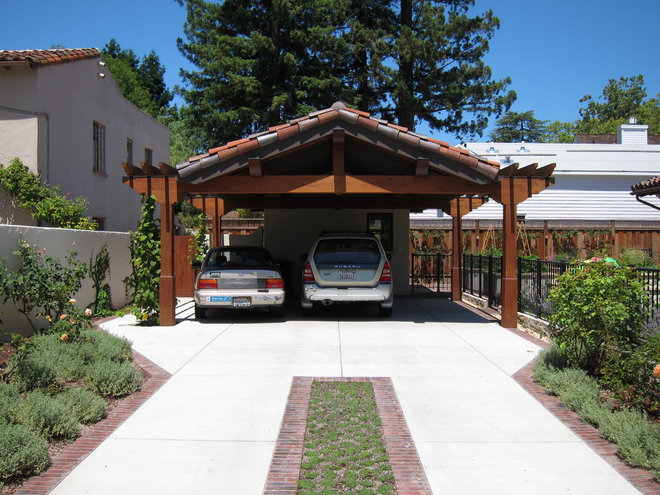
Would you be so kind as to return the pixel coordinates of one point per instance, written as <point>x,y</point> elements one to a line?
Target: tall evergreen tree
<point>517,127</point>
<point>441,78</point>
<point>261,62</point>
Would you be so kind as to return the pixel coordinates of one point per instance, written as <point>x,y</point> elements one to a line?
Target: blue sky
<point>555,51</point>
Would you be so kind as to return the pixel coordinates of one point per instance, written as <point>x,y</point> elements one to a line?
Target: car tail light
<point>274,283</point>
<point>207,283</point>
<point>308,275</point>
<point>386,274</point>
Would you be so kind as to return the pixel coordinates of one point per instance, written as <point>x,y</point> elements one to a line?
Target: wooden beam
<point>255,168</point>
<point>160,186</point>
<point>422,167</point>
<point>166,169</point>
<point>354,184</point>
<point>149,169</point>
<point>338,160</point>
<point>167,293</point>
<point>131,170</point>
<point>456,211</point>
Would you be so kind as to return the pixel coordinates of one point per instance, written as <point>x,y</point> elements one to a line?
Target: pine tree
<point>519,126</point>
<point>441,78</point>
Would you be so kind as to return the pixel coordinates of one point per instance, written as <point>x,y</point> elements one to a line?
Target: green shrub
<point>103,346</point>
<point>86,406</point>
<point>22,452</point>
<point>10,398</point>
<point>48,417</point>
<point>112,379</point>
<point>635,257</point>
<point>597,309</point>
<point>629,375</point>
<point>35,370</point>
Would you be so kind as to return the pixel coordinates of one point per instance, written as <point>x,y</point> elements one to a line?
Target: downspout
<point>647,203</point>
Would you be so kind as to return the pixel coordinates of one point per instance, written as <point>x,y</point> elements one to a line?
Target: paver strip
<point>284,471</point>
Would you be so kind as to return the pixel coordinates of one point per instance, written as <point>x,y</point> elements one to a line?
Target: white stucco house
<point>592,178</point>
<point>63,115</point>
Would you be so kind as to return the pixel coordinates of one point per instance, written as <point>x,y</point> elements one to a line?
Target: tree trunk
<point>404,110</point>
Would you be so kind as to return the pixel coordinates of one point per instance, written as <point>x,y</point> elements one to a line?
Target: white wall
<point>66,99</point>
<point>57,243</point>
<point>290,233</point>
<point>12,214</point>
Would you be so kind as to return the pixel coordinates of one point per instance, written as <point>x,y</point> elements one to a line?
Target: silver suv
<point>347,268</point>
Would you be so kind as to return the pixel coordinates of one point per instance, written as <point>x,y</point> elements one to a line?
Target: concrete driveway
<point>212,427</point>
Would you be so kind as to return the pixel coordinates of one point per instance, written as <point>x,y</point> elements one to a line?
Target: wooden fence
<point>545,239</point>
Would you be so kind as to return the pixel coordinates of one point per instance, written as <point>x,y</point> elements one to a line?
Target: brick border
<point>73,454</point>
<point>640,478</point>
<point>284,470</point>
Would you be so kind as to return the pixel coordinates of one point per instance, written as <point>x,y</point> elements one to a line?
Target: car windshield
<point>238,258</point>
<point>347,251</point>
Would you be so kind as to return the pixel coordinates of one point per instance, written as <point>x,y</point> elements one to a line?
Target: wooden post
<point>218,211</point>
<point>457,250</point>
<point>509,258</point>
<point>167,297</point>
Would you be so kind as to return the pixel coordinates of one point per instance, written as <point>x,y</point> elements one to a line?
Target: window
<point>148,156</point>
<point>98,137</point>
<point>129,151</point>
<point>381,226</point>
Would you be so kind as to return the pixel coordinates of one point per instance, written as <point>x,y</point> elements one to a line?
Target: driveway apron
<point>212,427</point>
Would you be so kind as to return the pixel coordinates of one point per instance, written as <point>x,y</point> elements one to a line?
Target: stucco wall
<point>66,99</point>
<point>290,233</point>
<point>57,243</point>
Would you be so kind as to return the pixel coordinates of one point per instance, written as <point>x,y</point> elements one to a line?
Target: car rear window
<point>231,258</point>
<point>347,251</point>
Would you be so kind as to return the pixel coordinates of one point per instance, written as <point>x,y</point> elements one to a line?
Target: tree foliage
<point>620,100</point>
<point>519,126</point>
<point>262,62</point>
<point>140,81</point>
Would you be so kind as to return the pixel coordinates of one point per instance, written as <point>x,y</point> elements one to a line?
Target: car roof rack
<point>347,232</point>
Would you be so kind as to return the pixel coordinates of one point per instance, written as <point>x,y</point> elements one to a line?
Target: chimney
<point>632,132</point>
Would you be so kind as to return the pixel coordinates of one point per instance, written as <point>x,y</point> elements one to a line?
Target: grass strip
<point>344,449</point>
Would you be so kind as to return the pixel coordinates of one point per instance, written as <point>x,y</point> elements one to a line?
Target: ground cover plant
<point>344,450</point>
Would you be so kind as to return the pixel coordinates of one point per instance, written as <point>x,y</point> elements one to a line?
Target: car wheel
<point>200,313</point>
<point>385,312</point>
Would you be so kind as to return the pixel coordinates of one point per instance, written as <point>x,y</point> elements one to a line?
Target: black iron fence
<point>482,277</point>
<point>431,273</point>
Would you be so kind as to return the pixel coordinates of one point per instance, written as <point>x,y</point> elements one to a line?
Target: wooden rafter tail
<point>149,169</point>
<point>508,171</point>
<point>528,170</point>
<point>166,169</point>
<point>131,170</point>
<point>546,171</point>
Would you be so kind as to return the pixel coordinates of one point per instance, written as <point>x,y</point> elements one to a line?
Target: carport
<point>341,158</point>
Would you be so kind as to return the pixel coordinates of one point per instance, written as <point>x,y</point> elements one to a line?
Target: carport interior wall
<point>340,158</point>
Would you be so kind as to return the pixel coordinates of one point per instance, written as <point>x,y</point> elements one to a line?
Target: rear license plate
<point>219,298</point>
<point>242,302</point>
<point>347,275</point>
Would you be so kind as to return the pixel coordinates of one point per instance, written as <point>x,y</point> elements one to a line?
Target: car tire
<point>385,311</point>
<point>200,313</point>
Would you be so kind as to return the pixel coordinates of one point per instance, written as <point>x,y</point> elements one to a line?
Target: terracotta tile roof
<point>647,187</point>
<point>39,58</point>
<point>339,111</point>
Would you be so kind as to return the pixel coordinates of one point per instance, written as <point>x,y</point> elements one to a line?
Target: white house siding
<point>66,99</point>
<point>290,233</point>
<point>592,181</point>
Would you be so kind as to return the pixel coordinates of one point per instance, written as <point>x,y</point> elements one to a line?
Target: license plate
<point>347,275</point>
<point>219,299</point>
<point>242,302</point>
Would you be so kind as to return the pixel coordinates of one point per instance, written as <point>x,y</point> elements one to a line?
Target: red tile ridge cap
<point>359,112</point>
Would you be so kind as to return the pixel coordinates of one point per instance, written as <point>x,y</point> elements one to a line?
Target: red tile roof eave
<point>40,58</point>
